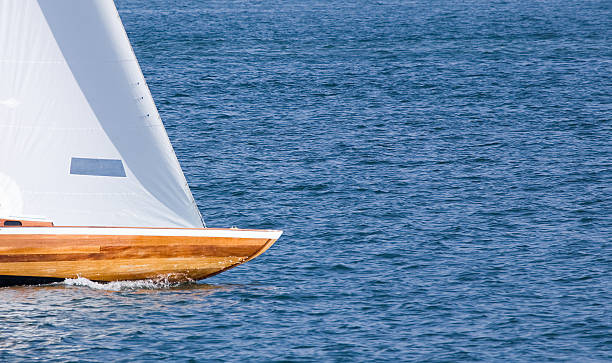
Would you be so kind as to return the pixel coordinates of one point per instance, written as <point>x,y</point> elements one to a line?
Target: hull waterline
<point>31,255</point>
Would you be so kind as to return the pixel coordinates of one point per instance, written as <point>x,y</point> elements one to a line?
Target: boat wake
<point>151,284</point>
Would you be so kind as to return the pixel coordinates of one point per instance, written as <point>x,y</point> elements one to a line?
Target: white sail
<point>81,141</point>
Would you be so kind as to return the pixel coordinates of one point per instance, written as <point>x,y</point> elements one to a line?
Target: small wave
<point>152,284</point>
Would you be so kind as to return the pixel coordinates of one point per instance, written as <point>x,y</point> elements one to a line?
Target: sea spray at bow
<point>122,285</point>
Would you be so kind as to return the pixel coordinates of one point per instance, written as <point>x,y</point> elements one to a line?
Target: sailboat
<point>90,185</point>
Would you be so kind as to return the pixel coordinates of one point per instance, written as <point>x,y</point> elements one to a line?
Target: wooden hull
<point>109,254</point>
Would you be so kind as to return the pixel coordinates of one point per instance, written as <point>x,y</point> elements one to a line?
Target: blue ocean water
<point>442,171</point>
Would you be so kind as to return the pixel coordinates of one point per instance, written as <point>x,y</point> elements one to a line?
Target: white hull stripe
<point>161,232</point>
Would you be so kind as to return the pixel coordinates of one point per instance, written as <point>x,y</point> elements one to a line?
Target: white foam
<point>161,283</point>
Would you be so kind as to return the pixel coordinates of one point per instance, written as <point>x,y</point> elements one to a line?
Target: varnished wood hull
<point>110,254</point>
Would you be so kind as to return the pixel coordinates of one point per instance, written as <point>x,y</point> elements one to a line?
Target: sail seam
<point>87,194</point>
<point>73,128</point>
<point>64,62</point>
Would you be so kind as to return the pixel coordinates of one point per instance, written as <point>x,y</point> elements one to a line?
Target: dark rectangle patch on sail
<point>97,167</point>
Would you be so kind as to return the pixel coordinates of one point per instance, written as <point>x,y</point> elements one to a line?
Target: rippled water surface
<point>442,171</point>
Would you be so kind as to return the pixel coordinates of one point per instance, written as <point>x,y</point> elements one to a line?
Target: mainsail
<point>81,141</point>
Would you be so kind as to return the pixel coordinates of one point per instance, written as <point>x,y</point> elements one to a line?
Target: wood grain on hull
<point>124,257</point>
